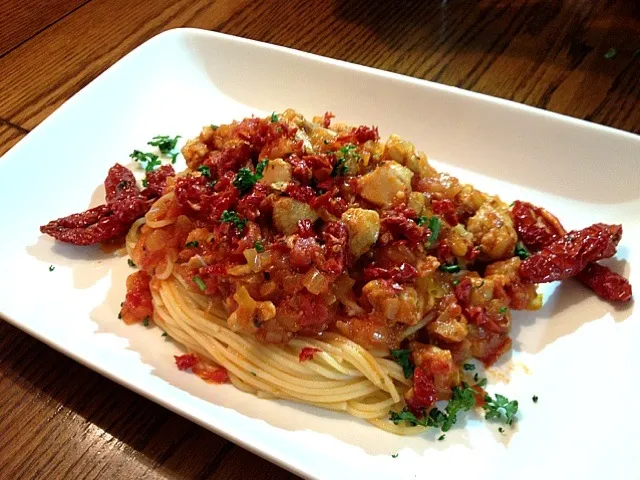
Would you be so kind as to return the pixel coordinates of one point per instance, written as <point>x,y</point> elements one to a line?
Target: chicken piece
<point>363,227</point>
<point>249,314</point>
<point>450,326</point>
<point>287,212</point>
<point>398,306</point>
<point>492,229</point>
<point>194,152</point>
<point>416,202</point>
<point>382,185</point>
<point>520,295</point>
<point>439,363</point>
<point>276,172</point>
<point>404,153</point>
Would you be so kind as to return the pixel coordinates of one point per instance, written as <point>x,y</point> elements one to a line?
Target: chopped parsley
<point>403,358</point>
<point>339,168</point>
<point>198,281</point>
<point>500,408</point>
<point>149,161</point>
<point>475,377</point>
<point>205,171</point>
<point>119,315</point>
<point>463,400</point>
<point>245,178</point>
<point>455,282</point>
<point>434,227</point>
<point>502,310</point>
<point>164,334</point>
<point>441,437</point>
<point>51,268</point>
<point>481,383</point>
<point>501,430</point>
<point>449,268</point>
<point>213,126</point>
<point>522,251</point>
<point>469,367</point>
<point>611,53</point>
<point>274,117</point>
<point>230,216</point>
<point>145,322</point>
<point>395,455</point>
<point>130,262</point>
<point>258,246</point>
<point>145,183</point>
<point>192,244</point>
<point>164,143</point>
<point>535,399</point>
<point>174,156</point>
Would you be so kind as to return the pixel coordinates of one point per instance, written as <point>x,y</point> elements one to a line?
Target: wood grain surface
<point>61,420</point>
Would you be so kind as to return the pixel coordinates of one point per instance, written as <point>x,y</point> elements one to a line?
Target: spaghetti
<point>312,262</point>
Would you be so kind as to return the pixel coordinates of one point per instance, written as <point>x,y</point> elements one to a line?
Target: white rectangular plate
<point>578,354</point>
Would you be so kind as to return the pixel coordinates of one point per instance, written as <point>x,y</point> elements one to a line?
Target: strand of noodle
<point>394,370</point>
<point>133,234</point>
<point>389,426</point>
<point>361,359</point>
<point>285,359</point>
<point>158,207</point>
<point>414,328</point>
<point>260,354</point>
<point>337,393</point>
<point>169,263</point>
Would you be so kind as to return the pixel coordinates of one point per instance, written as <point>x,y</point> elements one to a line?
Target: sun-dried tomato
<point>307,353</point>
<point>463,291</point>
<point>138,303</point>
<point>447,209</point>
<point>570,254</point>
<point>360,135</point>
<point>536,227</point>
<point>120,183</point>
<point>97,225</point>
<point>405,272</point>
<point>326,119</point>
<point>424,391</point>
<point>300,193</point>
<point>606,283</point>
<point>208,373</point>
<point>186,361</point>
<point>249,206</point>
<point>157,180</point>
<point>401,225</point>
<point>336,238</point>
<point>305,228</point>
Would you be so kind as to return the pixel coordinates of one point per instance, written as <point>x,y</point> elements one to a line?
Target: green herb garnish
<point>258,246</point>
<point>502,310</point>
<point>500,408</point>
<point>274,117</point>
<point>455,282</point>
<point>449,268</point>
<point>245,178</point>
<point>339,168</point>
<point>395,455</point>
<point>145,183</point>
<point>198,281</point>
<point>149,161</point>
<point>501,430</point>
<point>145,322</point>
<point>205,171</point>
<point>119,315</point>
<point>611,53</point>
<point>164,143</point>
<point>130,262</point>
<point>164,334</point>
<point>230,216</point>
<point>522,251</point>
<point>535,399</point>
<point>192,244</point>
<point>469,367</point>
<point>213,126</point>
<point>174,156</point>
<point>441,437</point>
<point>434,227</point>
<point>403,358</point>
<point>51,268</point>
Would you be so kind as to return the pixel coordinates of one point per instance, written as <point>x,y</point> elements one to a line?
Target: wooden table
<point>61,420</point>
